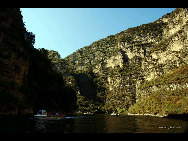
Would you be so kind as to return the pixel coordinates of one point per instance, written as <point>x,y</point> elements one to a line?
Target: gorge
<point>141,70</point>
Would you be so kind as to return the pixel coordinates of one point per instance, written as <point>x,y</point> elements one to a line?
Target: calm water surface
<point>94,124</point>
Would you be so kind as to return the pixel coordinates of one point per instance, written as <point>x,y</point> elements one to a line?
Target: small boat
<point>114,114</point>
<point>88,113</point>
<point>41,113</point>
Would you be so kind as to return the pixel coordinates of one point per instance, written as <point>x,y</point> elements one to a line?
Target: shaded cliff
<point>117,67</point>
<point>46,86</point>
<point>14,59</point>
<point>28,81</point>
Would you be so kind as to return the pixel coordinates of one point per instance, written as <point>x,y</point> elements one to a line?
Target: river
<point>101,123</point>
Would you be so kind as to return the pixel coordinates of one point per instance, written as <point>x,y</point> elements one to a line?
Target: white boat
<point>41,113</point>
<point>114,114</point>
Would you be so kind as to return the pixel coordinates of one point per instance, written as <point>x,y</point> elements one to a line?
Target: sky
<point>68,29</point>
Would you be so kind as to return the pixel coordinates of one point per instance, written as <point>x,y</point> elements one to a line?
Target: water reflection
<point>121,124</point>
<point>89,124</point>
<point>160,125</point>
<point>93,124</point>
<point>16,125</point>
<point>40,125</point>
<point>54,125</point>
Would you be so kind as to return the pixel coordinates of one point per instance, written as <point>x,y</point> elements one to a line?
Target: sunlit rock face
<point>117,66</point>
<point>170,52</point>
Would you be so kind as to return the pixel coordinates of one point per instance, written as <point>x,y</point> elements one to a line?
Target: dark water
<point>94,124</point>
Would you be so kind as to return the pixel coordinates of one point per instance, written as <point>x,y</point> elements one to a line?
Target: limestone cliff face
<point>13,59</point>
<point>120,64</point>
<point>164,69</point>
<point>171,51</point>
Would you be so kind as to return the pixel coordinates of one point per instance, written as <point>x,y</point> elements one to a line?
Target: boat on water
<point>114,114</point>
<point>41,113</point>
<point>88,113</point>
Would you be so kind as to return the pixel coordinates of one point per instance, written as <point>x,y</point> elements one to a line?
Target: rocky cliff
<point>14,60</point>
<point>162,84</point>
<point>113,74</point>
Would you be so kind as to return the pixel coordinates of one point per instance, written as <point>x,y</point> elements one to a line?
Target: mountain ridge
<point>118,64</point>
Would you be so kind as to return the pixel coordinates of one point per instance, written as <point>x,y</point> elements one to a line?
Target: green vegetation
<point>175,76</point>
<point>162,102</point>
<point>154,30</point>
<point>165,101</point>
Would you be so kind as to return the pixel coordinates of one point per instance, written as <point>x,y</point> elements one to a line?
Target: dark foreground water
<point>93,124</point>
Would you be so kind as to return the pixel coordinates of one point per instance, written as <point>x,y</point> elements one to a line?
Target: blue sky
<point>67,29</point>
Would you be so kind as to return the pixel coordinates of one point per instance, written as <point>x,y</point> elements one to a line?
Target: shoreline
<point>161,116</point>
<point>169,116</point>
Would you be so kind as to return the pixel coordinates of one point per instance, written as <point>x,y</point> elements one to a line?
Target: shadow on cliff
<point>47,88</point>
<point>87,86</point>
<point>28,81</point>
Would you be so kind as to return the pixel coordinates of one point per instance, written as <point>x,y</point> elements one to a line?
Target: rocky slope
<point>165,70</point>
<point>110,74</point>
